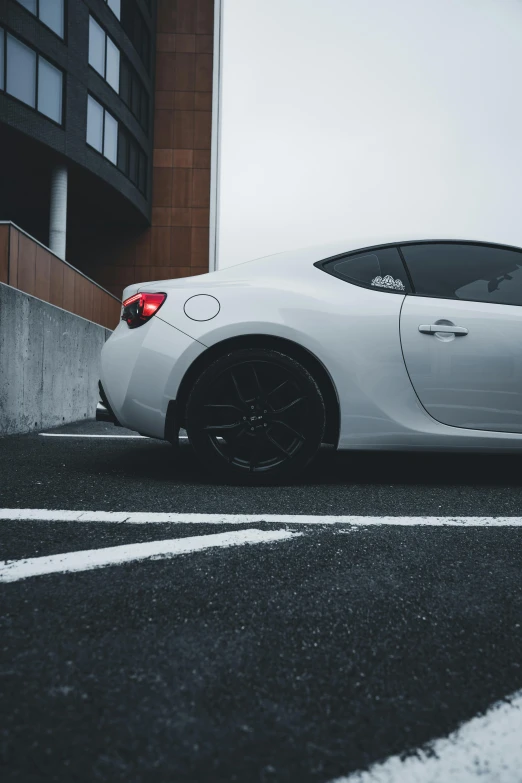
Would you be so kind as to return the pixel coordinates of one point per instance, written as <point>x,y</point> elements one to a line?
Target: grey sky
<point>348,117</point>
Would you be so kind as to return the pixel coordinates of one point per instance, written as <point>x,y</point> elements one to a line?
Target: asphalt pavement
<point>301,659</point>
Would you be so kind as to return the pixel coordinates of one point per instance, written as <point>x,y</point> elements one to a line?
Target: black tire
<point>255,416</point>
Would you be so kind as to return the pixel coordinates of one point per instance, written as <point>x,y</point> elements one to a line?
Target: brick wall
<point>176,244</point>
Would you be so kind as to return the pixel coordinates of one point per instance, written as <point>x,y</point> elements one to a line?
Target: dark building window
<point>134,25</point>
<point>105,58</point>
<point>49,90</point>
<point>21,71</point>
<point>132,161</point>
<point>112,140</point>
<point>94,124</point>
<point>104,55</point>
<point>134,94</point>
<point>30,78</point>
<point>102,130</point>
<point>115,6</point>
<point>50,12</point>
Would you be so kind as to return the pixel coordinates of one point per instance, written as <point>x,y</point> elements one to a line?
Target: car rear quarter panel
<point>353,331</point>
<point>141,370</point>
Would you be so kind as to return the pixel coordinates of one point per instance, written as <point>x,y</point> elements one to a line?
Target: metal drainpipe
<point>58,211</point>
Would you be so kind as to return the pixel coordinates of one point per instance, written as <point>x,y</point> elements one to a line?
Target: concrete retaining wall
<point>49,364</point>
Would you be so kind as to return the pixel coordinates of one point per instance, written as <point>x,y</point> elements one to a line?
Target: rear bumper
<point>141,370</point>
<point>102,414</point>
<point>104,411</point>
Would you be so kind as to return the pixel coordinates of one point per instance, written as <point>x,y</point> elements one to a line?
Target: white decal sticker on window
<point>388,282</point>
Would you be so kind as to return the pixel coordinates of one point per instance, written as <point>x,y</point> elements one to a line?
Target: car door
<point>461,333</point>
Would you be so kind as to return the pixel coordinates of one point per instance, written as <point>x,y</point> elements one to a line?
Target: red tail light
<point>138,309</point>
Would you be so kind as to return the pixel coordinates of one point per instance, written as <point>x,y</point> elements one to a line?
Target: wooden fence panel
<point>56,281</point>
<point>42,286</point>
<point>4,254</point>
<point>27,265</point>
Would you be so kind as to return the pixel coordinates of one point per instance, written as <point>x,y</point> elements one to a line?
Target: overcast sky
<point>344,118</point>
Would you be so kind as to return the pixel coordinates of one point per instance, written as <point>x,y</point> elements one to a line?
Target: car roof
<point>314,253</point>
<point>287,262</point>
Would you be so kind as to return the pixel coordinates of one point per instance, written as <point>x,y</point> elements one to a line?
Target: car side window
<point>476,273</point>
<point>381,269</point>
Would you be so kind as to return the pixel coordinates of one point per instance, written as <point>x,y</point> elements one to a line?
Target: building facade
<point>105,130</point>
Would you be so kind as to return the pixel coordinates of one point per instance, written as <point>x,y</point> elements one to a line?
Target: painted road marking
<point>73,435</point>
<point>487,748</point>
<point>144,517</point>
<point>12,571</point>
<point>110,437</point>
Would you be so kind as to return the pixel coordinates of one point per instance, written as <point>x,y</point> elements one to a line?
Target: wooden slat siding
<point>32,268</point>
<point>85,312</point>
<point>26,264</point>
<point>88,300</point>
<point>114,312</point>
<point>56,281</point>
<point>13,257</point>
<point>4,254</point>
<point>96,305</point>
<point>68,289</point>
<point>79,297</point>
<point>104,310</point>
<point>42,288</point>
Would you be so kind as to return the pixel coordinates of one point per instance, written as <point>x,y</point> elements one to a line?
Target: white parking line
<point>487,748</point>
<point>74,435</point>
<point>144,518</point>
<point>115,555</point>
<point>110,437</point>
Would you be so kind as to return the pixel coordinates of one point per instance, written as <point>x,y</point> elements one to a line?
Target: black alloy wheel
<point>255,415</point>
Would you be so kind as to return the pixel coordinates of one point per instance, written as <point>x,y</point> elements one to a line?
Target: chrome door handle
<point>460,331</point>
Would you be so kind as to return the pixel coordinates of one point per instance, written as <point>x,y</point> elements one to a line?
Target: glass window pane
<point>94,124</point>
<point>381,269</point>
<point>477,273</point>
<point>49,90</point>
<point>110,148</point>
<point>21,71</point>
<point>137,33</point>
<point>96,46</point>
<point>1,59</point>
<point>51,14</point>
<point>123,150</point>
<point>136,90</point>
<point>113,65</point>
<point>144,118</point>
<point>125,82</point>
<point>133,163</point>
<point>115,6</point>
<point>359,268</point>
<point>142,173</point>
<point>29,4</point>
<point>145,48</point>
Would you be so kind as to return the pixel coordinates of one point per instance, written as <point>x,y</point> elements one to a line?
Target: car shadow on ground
<point>157,461</point>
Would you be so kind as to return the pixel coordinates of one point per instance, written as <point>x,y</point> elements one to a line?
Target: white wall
<point>349,117</point>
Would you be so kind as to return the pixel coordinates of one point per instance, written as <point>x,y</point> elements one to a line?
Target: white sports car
<point>401,345</point>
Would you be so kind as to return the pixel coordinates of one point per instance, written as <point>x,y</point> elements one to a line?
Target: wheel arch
<point>314,366</point>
